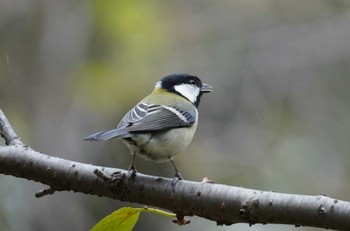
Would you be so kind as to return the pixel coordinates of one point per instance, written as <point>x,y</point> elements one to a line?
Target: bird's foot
<point>132,170</point>
<point>178,175</point>
<point>176,179</point>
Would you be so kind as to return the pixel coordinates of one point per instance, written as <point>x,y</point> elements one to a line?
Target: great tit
<point>161,125</point>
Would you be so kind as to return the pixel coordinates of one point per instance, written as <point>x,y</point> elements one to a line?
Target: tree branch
<point>221,203</point>
<point>7,132</point>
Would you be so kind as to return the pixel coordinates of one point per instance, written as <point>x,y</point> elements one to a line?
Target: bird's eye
<point>192,82</point>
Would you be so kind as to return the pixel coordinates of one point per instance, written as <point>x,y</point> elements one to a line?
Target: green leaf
<point>124,219</point>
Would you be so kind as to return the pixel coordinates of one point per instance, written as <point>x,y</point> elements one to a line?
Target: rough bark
<point>221,203</point>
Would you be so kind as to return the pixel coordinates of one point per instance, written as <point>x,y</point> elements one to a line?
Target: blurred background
<point>278,119</point>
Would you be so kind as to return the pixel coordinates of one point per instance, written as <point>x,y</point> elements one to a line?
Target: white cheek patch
<point>188,91</point>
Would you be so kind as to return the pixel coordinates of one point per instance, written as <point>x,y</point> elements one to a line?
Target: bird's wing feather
<point>147,117</point>
<point>151,117</point>
<point>137,113</point>
<point>107,135</point>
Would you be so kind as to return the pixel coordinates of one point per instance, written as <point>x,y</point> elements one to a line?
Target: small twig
<point>44,192</point>
<point>181,219</point>
<point>118,181</point>
<point>7,132</point>
<point>102,175</point>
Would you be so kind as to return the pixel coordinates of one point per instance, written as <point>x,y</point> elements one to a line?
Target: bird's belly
<point>163,145</point>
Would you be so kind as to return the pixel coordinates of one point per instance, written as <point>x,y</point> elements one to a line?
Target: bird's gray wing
<point>151,117</point>
<point>147,117</point>
<point>107,135</point>
<point>135,114</point>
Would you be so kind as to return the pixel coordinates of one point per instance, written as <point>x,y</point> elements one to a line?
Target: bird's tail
<point>107,135</point>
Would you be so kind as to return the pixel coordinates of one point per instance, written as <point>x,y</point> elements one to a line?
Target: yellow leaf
<point>123,219</point>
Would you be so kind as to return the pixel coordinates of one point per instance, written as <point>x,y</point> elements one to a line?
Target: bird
<point>161,125</point>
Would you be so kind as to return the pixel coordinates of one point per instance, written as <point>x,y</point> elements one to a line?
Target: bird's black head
<point>185,85</point>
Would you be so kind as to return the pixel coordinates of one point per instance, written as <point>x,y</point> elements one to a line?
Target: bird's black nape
<point>168,82</point>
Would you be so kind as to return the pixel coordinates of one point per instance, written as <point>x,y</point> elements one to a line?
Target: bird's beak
<point>206,88</point>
